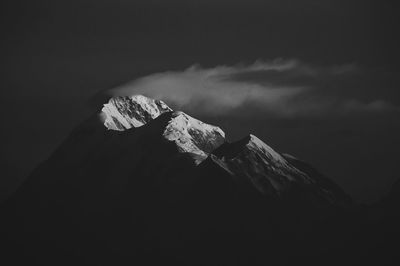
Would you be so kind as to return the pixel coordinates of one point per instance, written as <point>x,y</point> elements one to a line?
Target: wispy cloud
<point>284,88</point>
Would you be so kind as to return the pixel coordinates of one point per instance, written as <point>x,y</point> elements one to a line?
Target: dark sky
<point>57,54</point>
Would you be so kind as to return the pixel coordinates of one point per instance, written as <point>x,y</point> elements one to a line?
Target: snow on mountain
<point>169,188</point>
<point>263,149</point>
<point>248,159</point>
<point>193,136</point>
<point>121,113</point>
<point>268,171</point>
<point>189,134</point>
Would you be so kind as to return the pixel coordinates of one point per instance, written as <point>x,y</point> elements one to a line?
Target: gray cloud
<point>281,88</point>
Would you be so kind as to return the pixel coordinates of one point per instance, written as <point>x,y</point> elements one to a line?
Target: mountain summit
<point>121,113</point>
<point>250,158</point>
<point>189,134</point>
<point>145,182</point>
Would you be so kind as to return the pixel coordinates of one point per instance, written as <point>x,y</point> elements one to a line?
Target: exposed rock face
<point>276,175</point>
<point>326,187</point>
<point>254,160</point>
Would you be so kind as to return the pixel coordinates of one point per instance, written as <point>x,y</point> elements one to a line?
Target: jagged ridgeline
<point>249,159</point>
<point>141,183</point>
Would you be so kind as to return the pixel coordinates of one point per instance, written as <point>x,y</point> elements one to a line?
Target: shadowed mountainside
<point>151,186</point>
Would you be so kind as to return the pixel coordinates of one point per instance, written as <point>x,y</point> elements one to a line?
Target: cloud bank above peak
<point>278,88</point>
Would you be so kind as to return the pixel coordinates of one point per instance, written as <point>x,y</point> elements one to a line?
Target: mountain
<point>141,183</point>
<point>189,134</point>
<point>250,158</point>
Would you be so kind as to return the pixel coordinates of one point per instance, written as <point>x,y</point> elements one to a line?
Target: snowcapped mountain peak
<point>125,112</point>
<point>249,159</point>
<point>257,162</point>
<point>189,134</point>
<point>193,136</point>
<point>257,145</point>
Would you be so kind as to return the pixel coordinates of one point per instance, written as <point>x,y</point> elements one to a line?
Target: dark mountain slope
<point>146,185</point>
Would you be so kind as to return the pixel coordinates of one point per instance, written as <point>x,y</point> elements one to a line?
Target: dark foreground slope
<point>161,188</point>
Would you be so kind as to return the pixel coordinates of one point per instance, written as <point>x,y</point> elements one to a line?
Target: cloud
<point>282,88</point>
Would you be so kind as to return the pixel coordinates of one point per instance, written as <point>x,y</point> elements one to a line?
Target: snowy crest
<point>266,169</point>
<point>265,151</point>
<point>121,113</point>
<point>193,136</point>
<point>189,134</point>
